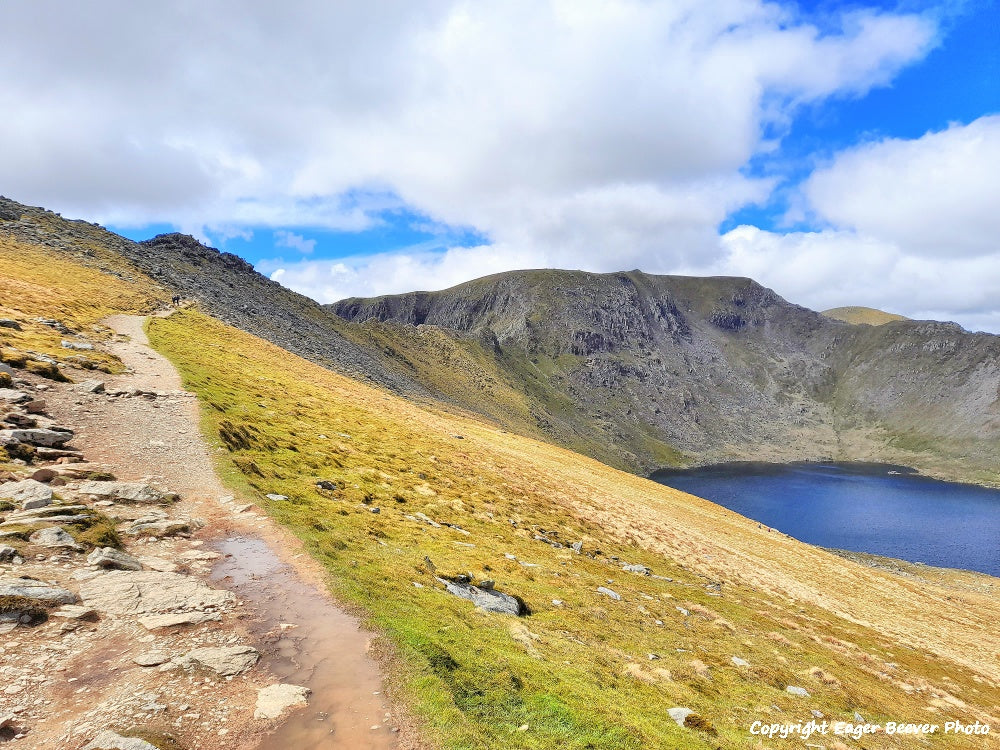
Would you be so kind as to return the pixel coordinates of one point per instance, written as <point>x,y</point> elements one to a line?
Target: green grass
<point>578,675</point>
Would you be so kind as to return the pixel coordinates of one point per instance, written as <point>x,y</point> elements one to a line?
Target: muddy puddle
<point>305,640</point>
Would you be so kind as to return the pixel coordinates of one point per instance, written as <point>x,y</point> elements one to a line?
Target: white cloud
<point>284,238</point>
<point>915,228</point>
<point>593,127</point>
<point>935,196</point>
<point>834,268</point>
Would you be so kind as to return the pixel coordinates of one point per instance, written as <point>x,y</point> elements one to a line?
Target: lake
<point>875,508</point>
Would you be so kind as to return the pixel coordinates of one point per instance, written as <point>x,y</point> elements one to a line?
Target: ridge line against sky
<point>841,154</point>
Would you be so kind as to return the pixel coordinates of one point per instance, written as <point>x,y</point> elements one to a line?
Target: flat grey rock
<point>608,592</point>
<point>55,537</point>
<point>796,690</point>
<point>35,592</point>
<point>486,599</point>
<point>225,661</point>
<point>90,386</point>
<point>151,658</point>
<point>108,740</point>
<point>171,620</point>
<point>126,492</point>
<point>28,493</point>
<point>42,437</point>
<point>148,592</point>
<point>274,700</point>
<point>108,557</point>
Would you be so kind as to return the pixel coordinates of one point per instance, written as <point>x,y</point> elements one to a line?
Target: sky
<point>838,153</point>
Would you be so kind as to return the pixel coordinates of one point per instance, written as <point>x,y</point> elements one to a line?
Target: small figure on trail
<point>176,300</point>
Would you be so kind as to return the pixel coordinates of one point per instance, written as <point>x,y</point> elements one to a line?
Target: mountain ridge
<point>714,362</point>
<point>637,370</point>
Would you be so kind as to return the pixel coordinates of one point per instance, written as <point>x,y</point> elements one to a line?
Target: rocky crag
<point>715,369</point>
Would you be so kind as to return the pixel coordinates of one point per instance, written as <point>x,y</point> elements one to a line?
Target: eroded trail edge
<point>142,427</point>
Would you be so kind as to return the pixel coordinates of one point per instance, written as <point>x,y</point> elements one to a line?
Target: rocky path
<point>210,623</point>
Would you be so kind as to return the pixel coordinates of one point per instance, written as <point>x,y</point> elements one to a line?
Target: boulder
<point>125,592</point>
<point>43,437</point>
<point>90,386</point>
<point>109,557</point>
<point>225,661</point>
<point>640,569</point>
<point>738,662</point>
<point>108,740</point>
<point>55,537</point>
<point>152,658</point>
<point>7,553</point>
<point>679,714</point>
<point>81,346</point>
<point>28,493</point>
<point>161,526</point>
<point>44,475</point>
<point>155,622</point>
<point>796,690</point>
<point>74,612</point>
<point>48,513</point>
<point>486,599</point>
<point>608,592</point>
<point>13,396</point>
<point>126,492</point>
<point>10,323</point>
<point>274,700</point>
<point>15,592</point>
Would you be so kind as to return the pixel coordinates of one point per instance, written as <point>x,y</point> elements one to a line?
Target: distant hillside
<point>644,370</point>
<point>862,315</point>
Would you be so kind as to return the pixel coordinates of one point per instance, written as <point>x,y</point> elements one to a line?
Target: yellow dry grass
<point>38,282</point>
<point>862,315</point>
<point>577,671</point>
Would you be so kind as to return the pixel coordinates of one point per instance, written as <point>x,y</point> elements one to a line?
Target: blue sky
<point>841,153</point>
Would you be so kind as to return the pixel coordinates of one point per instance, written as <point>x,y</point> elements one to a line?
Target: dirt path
<point>304,638</point>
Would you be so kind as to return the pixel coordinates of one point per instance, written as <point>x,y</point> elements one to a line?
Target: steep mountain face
<point>661,369</point>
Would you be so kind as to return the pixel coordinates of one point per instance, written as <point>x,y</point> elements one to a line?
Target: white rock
<point>29,493</point>
<point>124,592</point>
<point>54,537</point>
<point>108,740</point>
<point>274,700</point>
<point>126,492</point>
<point>679,714</point>
<point>223,660</point>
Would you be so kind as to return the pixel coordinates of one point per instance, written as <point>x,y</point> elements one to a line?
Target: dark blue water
<point>859,507</point>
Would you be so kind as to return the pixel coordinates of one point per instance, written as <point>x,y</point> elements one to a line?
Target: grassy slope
<point>577,675</point>
<point>862,315</point>
<point>38,282</point>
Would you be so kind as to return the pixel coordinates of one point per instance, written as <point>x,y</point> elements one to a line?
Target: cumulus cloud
<point>914,231</point>
<point>935,196</point>
<point>592,128</point>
